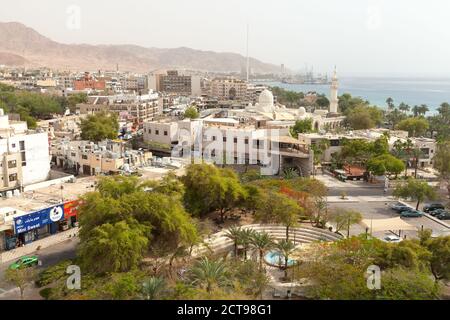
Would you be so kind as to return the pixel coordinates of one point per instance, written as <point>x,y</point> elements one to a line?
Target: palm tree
<point>390,103</point>
<point>423,109</point>
<point>235,234</point>
<point>152,287</point>
<point>404,107</point>
<point>416,110</point>
<point>285,249</point>
<point>208,273</point>
<point>246,239</point>
<point>262,241</point>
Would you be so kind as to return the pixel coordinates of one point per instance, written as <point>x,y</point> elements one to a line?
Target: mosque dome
<point>266,98</point>
<point>301,111</point>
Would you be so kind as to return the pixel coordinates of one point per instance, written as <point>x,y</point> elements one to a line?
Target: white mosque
<point>322,119</point>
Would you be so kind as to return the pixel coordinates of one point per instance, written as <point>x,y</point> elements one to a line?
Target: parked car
<point>392,239</point>
<point>436,212</point>
<point>24,262</point>
<point>433,206</point>
<point>411,213</point>
<point>444,216</point>
<point>399,207</point>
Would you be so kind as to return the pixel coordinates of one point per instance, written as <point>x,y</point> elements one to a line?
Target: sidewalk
<point>338,199</point>
<point>38,245</point>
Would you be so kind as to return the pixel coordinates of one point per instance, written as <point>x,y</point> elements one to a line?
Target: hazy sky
<point>359,36</point>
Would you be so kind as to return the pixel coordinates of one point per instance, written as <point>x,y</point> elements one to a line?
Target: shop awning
<point>376,225</point>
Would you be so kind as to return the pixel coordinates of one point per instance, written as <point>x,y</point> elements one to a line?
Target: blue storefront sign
<point>38,219</point>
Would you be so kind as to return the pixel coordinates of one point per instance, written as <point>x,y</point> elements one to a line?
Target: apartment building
<point>243,143</point>
<point>229,89</point>
<point>140,108</point>
<point>88,82</point>
<point>24,155</point>
<point>88,158</point>
<point>172,82</point>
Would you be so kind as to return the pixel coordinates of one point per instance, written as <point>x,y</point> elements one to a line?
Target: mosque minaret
<point>334,101</point>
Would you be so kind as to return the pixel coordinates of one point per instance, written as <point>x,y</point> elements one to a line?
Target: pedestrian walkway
<point>338,199</point>
<point>38,245</point>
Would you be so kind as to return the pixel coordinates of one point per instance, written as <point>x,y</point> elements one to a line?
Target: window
<point>22,145</point>
<point>235,140</point>
<point>246,140</point>
<point>84,157</point>
<point>150,131</point>
<point>12,164</point>
<point>213,138</point>
<point>13,177</point>
<point>165,133</point>
<point>224,139</point>
<point>334,143</point>
<point>157,132</point>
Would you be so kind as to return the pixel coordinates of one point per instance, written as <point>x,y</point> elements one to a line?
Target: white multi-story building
<point>24,155</point>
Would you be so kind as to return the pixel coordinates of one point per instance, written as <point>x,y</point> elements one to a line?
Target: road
<point>373,209</point>
<point>47,258</point>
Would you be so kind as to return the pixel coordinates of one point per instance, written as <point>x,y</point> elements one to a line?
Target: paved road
<point>381,210</point>
<point>373,210</point>
<point>47,257</point>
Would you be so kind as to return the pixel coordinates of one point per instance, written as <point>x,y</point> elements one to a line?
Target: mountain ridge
<point>25,47</point>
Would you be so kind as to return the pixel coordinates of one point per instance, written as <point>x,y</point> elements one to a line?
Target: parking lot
<point>381,210</point>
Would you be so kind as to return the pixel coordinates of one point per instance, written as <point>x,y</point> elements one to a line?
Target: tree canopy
<point>127,219</point>
<point>99,127</point>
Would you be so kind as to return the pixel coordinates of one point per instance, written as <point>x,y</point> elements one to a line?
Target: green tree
<point>234,234</point>
<point>115,247</point>
<point>390,103</point>
<point>364,117</point>
<point>406,284</point>
<point>209,188</point>
<point>301,126</point>
<point>21,278</point>
<point>416,127</point>
<point>153,288</point>
<point>285,248</point>
<point>209,274</point>
<point>404,107</point>
<point>440,123</point>
<point>191,113</point>
<point>99,127</point>
<point>121,286</point>
<point>322,101</point>
<point>440,256</point>
<point>385,164</point>
<point>344,219</point>
<point>442,162</point>
<point>125,204</point>
<point>263,242</point>
<point>278,208</point>
<point>415,190</point>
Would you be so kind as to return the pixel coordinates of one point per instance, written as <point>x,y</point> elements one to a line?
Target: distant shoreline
<point>412,91</point>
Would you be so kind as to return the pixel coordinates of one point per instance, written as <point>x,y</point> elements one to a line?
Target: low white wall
<point>47,183</point>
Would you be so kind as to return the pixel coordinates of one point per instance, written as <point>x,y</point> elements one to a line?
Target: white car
<point>392,239</point>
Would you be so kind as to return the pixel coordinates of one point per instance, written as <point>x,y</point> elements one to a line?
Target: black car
<point>444,216</point>
<point>433,206</point>
<point>436,212</point>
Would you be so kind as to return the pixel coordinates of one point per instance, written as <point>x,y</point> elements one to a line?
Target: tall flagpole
<point>248,57</point>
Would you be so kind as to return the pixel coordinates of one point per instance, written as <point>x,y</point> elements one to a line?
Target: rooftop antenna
<point>248,57</point>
